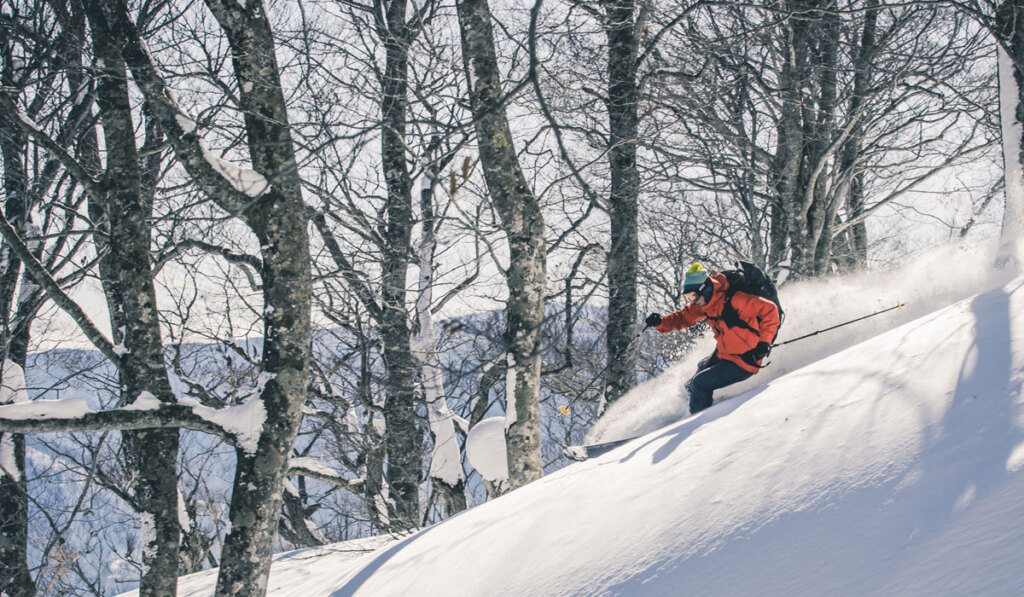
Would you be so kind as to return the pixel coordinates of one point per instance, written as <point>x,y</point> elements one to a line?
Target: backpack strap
<point>730,316</point>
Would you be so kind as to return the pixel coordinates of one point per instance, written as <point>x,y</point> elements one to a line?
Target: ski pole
<point>899,305</point>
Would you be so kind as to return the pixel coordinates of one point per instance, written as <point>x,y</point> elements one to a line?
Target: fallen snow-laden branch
<point>314,469</point>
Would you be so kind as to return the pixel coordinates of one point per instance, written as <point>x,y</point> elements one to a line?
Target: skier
<point>744,330</point>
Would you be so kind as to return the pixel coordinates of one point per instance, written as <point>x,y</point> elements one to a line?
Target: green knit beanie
<point>695,278</point>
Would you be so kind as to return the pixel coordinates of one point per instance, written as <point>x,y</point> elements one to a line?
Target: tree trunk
<point>446,459</point>
<point>856,244</point>
<point>15,579</point>
<point>523,223</point>
<point>1010,32</point>
<point>278,217</point>
<point>789,153</point>
<point>623,255</point>
<point>294,525</point>
<point>403,435</point>
<point>152,454</point>
<point>822,208</point>
<point>271,205</point>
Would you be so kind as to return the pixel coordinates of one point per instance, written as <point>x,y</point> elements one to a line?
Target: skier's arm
<point>767,319</point>
<point>680,320</point>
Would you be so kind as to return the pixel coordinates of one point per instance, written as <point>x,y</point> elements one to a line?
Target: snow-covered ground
<point>892,467</point>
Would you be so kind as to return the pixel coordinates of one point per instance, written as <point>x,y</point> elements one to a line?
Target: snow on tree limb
<point>238,425</point>
<point>315,469</point>
<point>52,416</point>
<point>12,392</point>
<point>243,422</point>
<point>180,128</point>
<point>245,180</point>
<point>1012,232</point>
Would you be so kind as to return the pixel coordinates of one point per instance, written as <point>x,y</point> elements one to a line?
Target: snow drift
<point>893,467</point>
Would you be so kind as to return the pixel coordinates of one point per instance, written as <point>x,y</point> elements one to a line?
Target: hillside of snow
<point>892,467</point>
<point>920,285</point>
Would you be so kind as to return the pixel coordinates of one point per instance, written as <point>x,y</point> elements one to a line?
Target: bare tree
<point>809,119</point>
<point>523,222</point>
<point>269,201</point>
<point>620,25</point>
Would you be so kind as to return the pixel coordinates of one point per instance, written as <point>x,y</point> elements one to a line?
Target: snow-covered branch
<point>74,416</point>
<point>238,425</point>
<point>232,187</point>
<point>314,469</point>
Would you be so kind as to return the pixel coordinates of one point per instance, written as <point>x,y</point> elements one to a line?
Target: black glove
<point>653,320</point>
<point>755,354</point>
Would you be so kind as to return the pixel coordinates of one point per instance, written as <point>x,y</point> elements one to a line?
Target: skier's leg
<point>707,361</point>
<point>719,375</point>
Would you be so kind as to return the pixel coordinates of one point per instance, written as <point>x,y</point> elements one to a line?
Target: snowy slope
<point>894,467</point>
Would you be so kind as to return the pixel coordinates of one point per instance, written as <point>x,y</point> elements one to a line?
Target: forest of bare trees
<point>264,265</point>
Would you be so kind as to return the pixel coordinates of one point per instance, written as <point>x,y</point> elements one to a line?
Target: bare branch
<point>56,293</point>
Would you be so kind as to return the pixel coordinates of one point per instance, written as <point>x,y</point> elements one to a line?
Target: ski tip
<point>578,453</point>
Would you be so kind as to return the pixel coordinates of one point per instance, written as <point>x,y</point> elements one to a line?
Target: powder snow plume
<point>923,283</point>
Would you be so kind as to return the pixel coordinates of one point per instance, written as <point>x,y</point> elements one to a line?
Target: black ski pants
<point>712,374</point>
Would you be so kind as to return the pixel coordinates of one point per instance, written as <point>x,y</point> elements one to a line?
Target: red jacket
<point>760,313</point>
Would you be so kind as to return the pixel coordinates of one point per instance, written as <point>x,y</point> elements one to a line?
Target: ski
<point>584,452</point>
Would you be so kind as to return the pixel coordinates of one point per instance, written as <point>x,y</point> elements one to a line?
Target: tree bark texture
<point>403,435</point>
<point>131,298</point>
<point>792,172</point>
<point>623,253</point>
<point>1010,31</point>
<point>821,209</point>
<point>15,579</point>
<point>856,240</point>
<point>276,215</point>
<point>789,152</point>
<point>278,218</point>
<point>523,223</point>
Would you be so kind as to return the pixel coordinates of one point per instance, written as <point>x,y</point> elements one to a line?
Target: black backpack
<point>748,278</point>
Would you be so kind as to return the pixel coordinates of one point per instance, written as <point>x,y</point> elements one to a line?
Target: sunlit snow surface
<point>894,467</point>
